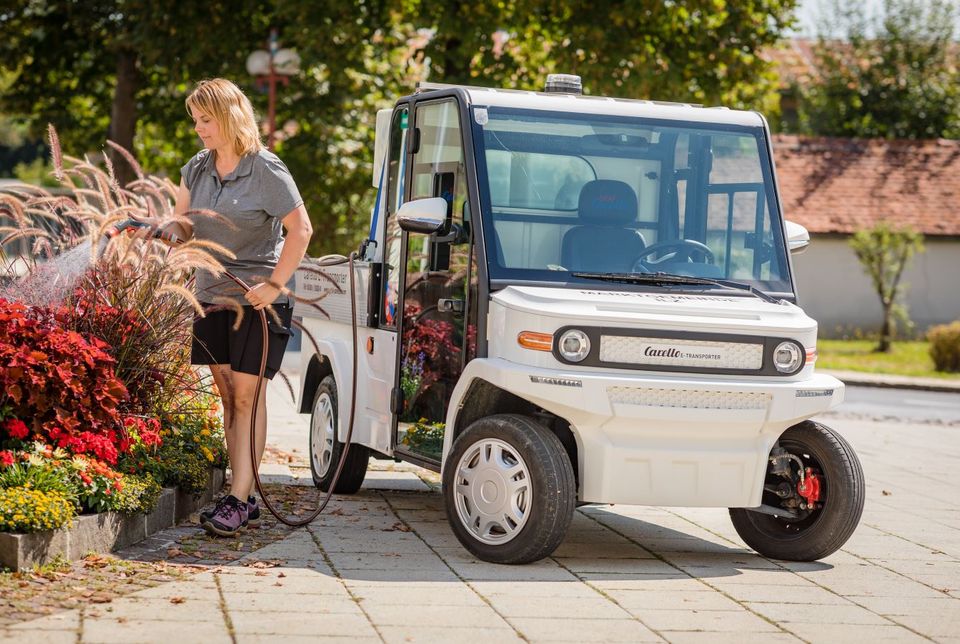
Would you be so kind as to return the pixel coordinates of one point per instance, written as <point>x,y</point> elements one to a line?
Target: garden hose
<point>115,230</point>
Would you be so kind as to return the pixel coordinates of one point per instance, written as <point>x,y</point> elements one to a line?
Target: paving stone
<point>108,630</point>
<point>533,589</point>
<point>404,595</point>
<point>852,633</point>
<point>843,613</point>
<point>461,616</point>
<point>68,620</point>
<point>797,591</point>
<point>597,607</point>
<point>349,561</point>
<point>445,635</point>
<point>301,622</point>
<point>583,630</point>
<point>739,620</point>
<point>712,637</point>
<point>640,600</point>
<point>275,602</point>
<point>187,610</point>
<point>254,638</point>
<point>46,636</point>
<point>540,571</point>
<point>642,566</point>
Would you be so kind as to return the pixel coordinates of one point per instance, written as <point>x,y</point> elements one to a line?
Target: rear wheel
<point>509,489</point>
<point>820,512</point>
<point>326,448</point>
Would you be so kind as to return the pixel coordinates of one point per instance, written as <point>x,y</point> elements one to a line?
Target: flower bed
<point>99,407</point>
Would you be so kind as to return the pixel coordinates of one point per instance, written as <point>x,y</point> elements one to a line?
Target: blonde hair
<point>224,102</point>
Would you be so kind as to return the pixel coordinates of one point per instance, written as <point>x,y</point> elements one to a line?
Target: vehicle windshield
<point>567,194</point>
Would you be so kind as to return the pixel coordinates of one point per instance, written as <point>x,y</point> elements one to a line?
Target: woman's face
<point>207,129</point>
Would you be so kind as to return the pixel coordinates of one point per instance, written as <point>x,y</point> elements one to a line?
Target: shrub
<point>44,477</point>
<point>945,346</point>
<point>23,509</point>
<point>137,494</point>
<point>64,384</point>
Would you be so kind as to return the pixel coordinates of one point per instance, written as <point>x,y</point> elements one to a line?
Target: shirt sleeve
<point>191,169</point>
<point>278,190</point>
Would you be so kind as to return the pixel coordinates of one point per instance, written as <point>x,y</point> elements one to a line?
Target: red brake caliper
<point>809,488</point>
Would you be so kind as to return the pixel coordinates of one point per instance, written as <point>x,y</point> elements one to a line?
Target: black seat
<point>604,240</point>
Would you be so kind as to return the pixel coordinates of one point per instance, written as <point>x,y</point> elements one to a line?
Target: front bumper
<point>665,439</point>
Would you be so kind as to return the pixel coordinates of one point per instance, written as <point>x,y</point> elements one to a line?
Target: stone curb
<point>103,532</point>
<point>861,379</point>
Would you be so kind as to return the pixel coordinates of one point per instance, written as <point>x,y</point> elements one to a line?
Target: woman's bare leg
<point>244,387</point>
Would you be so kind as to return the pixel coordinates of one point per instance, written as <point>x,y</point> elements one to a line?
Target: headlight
<point>574,345</point>
<point>787,357</point>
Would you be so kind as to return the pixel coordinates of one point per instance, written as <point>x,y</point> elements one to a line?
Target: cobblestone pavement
<point>384,566</point>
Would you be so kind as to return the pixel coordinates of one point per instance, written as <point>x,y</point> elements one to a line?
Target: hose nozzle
<point>123,226</point>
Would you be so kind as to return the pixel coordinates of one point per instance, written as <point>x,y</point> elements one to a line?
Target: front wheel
<point>819,510</point>
<point>509,489</point>
<point>326,448</point>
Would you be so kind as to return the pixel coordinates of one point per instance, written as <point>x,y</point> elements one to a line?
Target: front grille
<point>687,398</point>
<point>676,352</point>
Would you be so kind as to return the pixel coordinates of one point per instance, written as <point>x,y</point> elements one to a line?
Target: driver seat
<point>603,242</point>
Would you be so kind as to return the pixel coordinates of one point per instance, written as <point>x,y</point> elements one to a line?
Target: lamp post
<point>269,67</point>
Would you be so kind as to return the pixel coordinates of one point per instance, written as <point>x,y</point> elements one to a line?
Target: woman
<point>253,192</point>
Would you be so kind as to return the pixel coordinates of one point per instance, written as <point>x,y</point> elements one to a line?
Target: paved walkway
<point>383,566</point>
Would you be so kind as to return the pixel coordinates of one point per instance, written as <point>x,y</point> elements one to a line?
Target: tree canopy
<point>892,75</point>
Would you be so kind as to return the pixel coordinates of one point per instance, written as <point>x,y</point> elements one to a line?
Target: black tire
<point>826,529</point>
<point>323,468</point>
<point>547,499</point>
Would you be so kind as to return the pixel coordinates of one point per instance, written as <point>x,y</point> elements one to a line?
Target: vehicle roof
<point>557,102</point>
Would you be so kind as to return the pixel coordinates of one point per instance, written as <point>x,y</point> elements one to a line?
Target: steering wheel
<point>683,250</point>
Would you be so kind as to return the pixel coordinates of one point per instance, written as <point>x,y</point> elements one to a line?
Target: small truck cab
<point>571,299</point>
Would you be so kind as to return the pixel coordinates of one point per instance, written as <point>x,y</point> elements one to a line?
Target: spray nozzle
<point>122,226</point>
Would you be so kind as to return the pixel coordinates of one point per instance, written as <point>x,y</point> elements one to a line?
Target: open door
<point>435,340</point>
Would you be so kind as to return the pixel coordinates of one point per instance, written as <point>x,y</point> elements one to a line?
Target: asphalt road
<point>902,404</point>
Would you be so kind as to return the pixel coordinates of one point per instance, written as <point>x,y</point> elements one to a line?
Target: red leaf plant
<point>61,385</point>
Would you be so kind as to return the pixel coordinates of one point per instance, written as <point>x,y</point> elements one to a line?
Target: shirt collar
<point>243,168</point>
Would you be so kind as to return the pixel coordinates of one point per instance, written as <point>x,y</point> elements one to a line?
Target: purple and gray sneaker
<point>253,512</point>
<point>229,517</point>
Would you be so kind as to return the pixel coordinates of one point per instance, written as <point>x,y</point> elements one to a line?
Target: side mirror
<point>423,215</point>
<point>797,237</point>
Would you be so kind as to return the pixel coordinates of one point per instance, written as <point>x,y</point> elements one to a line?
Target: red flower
<point>17,428</point>
<point>6,458</point>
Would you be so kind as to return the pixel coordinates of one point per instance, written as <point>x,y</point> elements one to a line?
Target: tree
<point>885,252</point>
<point>892,76</point>
<point>95,69</point>
<point>701,51</point>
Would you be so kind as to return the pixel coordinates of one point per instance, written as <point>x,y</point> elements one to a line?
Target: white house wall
<point>834,290</point>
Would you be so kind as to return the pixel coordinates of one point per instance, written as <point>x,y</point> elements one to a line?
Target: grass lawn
<point>906,359</point>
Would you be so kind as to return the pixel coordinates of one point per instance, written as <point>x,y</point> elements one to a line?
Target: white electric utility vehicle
<point>572,299</point>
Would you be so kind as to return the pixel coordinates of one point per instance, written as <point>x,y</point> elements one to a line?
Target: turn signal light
<point>811,355</point>
<point>535,341</point>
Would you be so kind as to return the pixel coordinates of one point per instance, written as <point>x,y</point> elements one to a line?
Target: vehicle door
<point>437,280</point>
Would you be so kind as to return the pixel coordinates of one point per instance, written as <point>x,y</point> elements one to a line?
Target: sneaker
<point>253,512</point>
<point>229,517</point>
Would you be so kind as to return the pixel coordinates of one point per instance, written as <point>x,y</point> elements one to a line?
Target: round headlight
<point>787,357</point>
<point>574,345</point>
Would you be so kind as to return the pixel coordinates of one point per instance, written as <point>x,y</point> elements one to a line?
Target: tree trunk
<point>123,114</point>
<point>886,330</point>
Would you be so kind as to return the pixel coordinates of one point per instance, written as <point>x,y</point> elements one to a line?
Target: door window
<point>436,284</point>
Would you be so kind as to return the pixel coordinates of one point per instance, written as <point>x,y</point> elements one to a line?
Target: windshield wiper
<point>672,279</point>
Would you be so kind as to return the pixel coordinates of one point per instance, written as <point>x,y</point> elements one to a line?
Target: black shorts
<point>215,341</point>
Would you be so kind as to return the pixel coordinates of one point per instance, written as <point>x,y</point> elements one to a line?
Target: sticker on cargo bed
<point>480,116</point>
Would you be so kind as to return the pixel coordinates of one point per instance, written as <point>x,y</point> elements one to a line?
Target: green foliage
<point>43,476</point>
<point>885,252</point>
<point>945,346</point>
<point>358,57</point>
<point>894,77</point>
<point>138,493</point>
<point>24,509</point>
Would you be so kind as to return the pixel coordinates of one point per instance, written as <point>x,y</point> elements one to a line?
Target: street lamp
<point>270,67</point>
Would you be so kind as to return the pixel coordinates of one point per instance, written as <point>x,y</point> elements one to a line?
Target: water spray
<point>170,238</point>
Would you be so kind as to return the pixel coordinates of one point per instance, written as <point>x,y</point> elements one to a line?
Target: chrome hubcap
<point>321,434</point>
<point>492,491</point>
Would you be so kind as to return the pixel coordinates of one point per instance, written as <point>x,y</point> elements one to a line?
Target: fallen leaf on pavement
<point>177,600</point>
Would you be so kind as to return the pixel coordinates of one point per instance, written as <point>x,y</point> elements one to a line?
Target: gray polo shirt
<point>253,199</point>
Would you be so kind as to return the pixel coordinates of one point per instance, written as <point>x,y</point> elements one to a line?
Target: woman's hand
<point>262,295</point>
